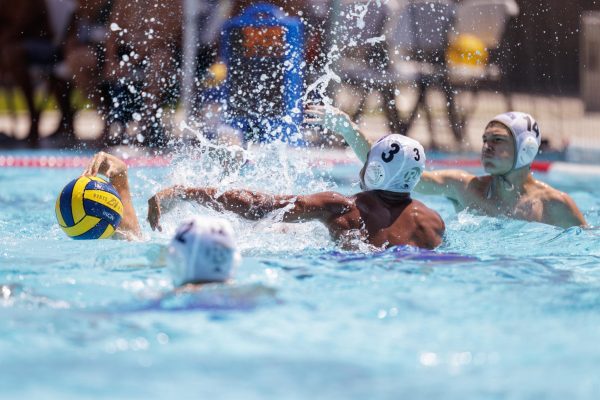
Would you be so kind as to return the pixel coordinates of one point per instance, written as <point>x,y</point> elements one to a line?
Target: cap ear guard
<point>374,174</point>
<point>526,134</point>
<point>527,152</point>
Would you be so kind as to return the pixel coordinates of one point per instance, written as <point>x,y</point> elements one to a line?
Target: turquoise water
<point>514,312</point>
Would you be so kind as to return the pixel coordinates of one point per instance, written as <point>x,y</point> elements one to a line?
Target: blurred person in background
<point>31,41</point>
<point>142,60</point>
<point>84,52</point>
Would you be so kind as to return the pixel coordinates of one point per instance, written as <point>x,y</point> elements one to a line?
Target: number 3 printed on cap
<point>395,149</point>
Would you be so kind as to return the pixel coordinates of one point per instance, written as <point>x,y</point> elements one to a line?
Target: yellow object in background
<point>216,74</point>
<point>467,50</point>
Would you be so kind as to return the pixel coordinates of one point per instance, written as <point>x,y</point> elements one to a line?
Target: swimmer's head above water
<point>203,250</point>
<point>395,164</point>
<point>510,142</point>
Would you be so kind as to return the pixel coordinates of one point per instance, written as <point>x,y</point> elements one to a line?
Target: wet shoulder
<point>549,195</point>
<point>430,226</point>
<point>420,212</point>
<point>558,207</point>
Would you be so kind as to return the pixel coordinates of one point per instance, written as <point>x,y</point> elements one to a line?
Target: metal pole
<point>333,12</point>
<point>190,40</point>
<point>330,27</point>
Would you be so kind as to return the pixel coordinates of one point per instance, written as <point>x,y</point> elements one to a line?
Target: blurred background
<point>96,73</point>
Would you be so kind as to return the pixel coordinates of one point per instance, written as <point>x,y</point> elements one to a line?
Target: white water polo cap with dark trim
<point>203,249</point>
<point>395,163</point>
<point>526,133</point>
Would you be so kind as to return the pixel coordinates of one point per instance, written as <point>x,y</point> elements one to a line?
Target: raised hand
<point>330,118</point>
<point>338,121</point>
<point>115,170</point>
<point>107,165</point>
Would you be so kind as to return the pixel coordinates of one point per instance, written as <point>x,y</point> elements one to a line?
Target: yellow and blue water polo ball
<point>89,208</point>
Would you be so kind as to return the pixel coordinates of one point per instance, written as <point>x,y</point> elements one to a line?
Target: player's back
<point>386,222</point>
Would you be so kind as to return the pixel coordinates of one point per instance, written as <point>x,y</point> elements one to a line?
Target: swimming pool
<point>515,313</point>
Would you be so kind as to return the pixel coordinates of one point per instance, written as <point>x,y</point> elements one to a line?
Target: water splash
<point>355,16</point>
<point>274,168</point>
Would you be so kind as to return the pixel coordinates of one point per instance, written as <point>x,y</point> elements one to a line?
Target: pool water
<point>503,309</point>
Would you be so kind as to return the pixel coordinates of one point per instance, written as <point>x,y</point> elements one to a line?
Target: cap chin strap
<point>508,185</point>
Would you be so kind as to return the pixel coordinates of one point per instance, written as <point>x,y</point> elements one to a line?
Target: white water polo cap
<point>395,163</point>
<point>203,250</point>
<point>526,132</point>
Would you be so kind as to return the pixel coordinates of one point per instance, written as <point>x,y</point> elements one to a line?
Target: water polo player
<point>202,258</point>
<point>383,214</point>
<point>203,250</point>
<point>510,144</point>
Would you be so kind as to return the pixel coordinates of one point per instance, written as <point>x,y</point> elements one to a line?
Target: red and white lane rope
<point>321,160</point>
<point>74,161</point>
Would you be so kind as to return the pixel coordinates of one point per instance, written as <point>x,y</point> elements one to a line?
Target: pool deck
<point>562,120</point>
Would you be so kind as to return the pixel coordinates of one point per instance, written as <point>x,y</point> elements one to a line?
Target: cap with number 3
<point>395,164</point>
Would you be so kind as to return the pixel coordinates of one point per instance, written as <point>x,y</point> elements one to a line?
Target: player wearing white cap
<point>382,215</point>
<point>510,144</point>
<point>203,250</point>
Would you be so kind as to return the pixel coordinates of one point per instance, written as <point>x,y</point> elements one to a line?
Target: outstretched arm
<point>116,171</point>
<point>449,183</point>
<point>445,182</point>
<point>250,204</point>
